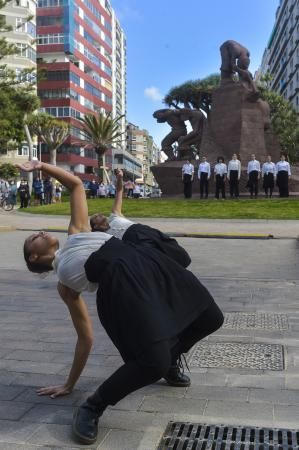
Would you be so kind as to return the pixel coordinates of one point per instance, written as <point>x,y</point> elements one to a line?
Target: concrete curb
<point>7,228</point>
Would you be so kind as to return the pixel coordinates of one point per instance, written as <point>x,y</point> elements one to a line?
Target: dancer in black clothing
<point>152,308</point>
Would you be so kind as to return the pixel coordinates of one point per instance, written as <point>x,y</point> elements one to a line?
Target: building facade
<point>281,57</point>
<point>142,146</point>
<point>20,15</point>
<point>75,51</point>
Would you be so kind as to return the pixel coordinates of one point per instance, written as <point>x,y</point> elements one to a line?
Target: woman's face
<point>234,156</point>
<point>41,244</point>
<point>282,158</point>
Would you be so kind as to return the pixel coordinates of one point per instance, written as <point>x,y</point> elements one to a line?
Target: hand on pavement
<point>54,391</point>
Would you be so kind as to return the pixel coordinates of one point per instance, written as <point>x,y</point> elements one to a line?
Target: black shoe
<point>176,377</point>
<point>85,423</point>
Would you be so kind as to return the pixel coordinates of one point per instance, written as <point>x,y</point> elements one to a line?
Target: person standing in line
<point>220,172</point>
<point>93,189</point>
<point>253,172</point>
<point>102,190</point>
<point>58,190</point>
<point>204,173</point>
<point>269,175</point>
<point>24,194</point>
<point>136,191</point>
<point>48,187</point>
<point>283,171</point>
<point>187,178</point>
<point>234,175</point>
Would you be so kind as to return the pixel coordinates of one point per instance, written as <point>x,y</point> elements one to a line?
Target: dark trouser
<point>187,185</point>
<point>254,182</point>
<point>156,359</point>
<point>283,183</point>
<point>234,183</point>
<point>48,197</point>
<point>130,193</point>
<point>268,183</point>
<point>24,202</point>
<point>220,186</point>
<point>204,185</point>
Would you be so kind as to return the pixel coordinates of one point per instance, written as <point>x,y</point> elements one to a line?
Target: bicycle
<point>5,202</point>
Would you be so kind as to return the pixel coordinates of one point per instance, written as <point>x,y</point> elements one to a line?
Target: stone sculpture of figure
<point>233,56</point>
<point>196,119</point>
<point>178,129</point>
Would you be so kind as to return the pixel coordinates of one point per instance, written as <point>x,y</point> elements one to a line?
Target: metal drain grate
<point>237,355</point>
<point>195,436</point>
<point>252,321</point>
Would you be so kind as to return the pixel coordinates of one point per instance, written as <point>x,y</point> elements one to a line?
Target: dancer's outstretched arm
<point>79,210</point>
<point>83,326</point>
<point>117,205</point>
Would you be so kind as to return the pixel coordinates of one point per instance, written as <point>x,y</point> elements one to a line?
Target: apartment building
<point>142,146</point>
<point>20,15</point>
<point>281,57</point>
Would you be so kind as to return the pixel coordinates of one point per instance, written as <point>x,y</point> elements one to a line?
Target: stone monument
<point>239,122</point>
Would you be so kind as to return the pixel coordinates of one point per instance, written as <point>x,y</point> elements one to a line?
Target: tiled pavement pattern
<point>37,341</point>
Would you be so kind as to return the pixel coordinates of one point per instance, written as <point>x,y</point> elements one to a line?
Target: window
<point>45,39</point>
<point>61,75</point>
<point>26,51</point>
<point>49,3</point>
<point>49,20</point>
<point>24,151</point>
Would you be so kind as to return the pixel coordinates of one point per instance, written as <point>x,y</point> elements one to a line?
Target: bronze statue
<point>193,138</point>
<point>233,56</point>
<point>178,129</point>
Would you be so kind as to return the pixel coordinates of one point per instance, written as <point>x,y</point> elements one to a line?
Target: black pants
<point>283,183</point>
<point>268,183</point>
<point>156,360</point>
<point>220,186</point>
<point>204,185</point>
<point>23,201</point>
<point>234,183</point>
<point>253,182</point>
<point>187,185</point>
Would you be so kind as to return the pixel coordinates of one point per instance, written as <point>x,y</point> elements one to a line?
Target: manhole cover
<point>252,321</point>
<point>237,355</point>
<point>195,436</point>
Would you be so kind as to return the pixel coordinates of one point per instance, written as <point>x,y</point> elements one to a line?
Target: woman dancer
<point>117,225</point>
<point>152,309</point>
<point>269,174</point>
<point>283,171</point>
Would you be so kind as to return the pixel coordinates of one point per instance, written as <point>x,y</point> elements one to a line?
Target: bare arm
<point>79,210</point>
<point>117,205</point>
<point>83,326</point>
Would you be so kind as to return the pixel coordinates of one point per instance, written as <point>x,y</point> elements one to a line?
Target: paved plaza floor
<point>256,284</point>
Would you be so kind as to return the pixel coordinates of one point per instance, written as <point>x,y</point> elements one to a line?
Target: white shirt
<point>136,189</point>
<point>188,169</point>
<point>118,225</point>
<point>69,261</point>
<point>234,164</point>
<point>204,167</point>
<point>253,165</point>
<point>283,165</point>
<point>102,189</point>
<point>268,167</point>
<point>220,169</point>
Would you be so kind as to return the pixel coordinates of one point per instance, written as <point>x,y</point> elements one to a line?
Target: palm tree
<point>101,132</point>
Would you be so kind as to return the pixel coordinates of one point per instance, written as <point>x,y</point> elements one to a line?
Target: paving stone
<point>59,414</point>
<point>10,392</point>
<point>277,396</point>
<point>259,381</point>
<point>61,436</point>
<point>29,355</point>
<point>126,420</point>
<point>287,414</point>
<point>218,393</point>
<point>30,395</point>
<point>121,440</point>
<point>30,366</point>
<point>165,404</point>
<point>16,431</point>
<point>229,411</point>
<point>13,410</point>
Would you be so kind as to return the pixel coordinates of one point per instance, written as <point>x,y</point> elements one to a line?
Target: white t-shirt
<point>69,261</point>
<point>118,225</point>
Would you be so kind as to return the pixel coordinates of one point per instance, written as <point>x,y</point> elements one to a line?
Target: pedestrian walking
<point>187,178</point>
<point>233,176</point>
<point>269,176</point>
<point>152,308</point>
<point>283,173</point>
<point>253,172</point>
<point>204,173</point>
<point>220,173</point>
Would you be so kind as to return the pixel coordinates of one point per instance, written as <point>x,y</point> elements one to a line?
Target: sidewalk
<point>277,228</point>
<point>256,285</point>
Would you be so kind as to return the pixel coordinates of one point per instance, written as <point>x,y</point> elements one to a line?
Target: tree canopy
<point>8,171</point>
<point>198,93</point>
